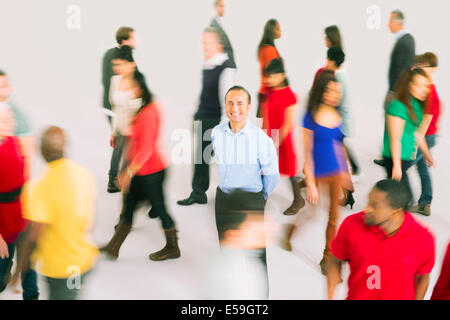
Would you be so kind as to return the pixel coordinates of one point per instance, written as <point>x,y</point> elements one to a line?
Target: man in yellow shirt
<point>60,206</point>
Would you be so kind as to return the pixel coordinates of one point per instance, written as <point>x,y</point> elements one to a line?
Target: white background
<point>56,76</point>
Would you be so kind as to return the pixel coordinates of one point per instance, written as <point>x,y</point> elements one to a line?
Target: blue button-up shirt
<point>247,160</point>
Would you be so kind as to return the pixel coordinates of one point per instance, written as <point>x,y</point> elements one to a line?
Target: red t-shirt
<point>277,103</point>
<point>433,108</point>
<point>144,147</point>
<point>318,72</point>
<point>442,288</point>
<point>11,179</point>
<point>381,267</point>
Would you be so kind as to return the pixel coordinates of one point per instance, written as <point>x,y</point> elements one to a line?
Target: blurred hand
<point>397,173</point>
<point>113,142</point>
<point>430,161</point>
<point>4,252</point>
<point>312,194</point>
<point>124,181</point>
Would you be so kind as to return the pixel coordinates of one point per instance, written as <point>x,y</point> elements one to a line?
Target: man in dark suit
<point>402,57</point>
<point>216,23</point>
<point>403,53</point>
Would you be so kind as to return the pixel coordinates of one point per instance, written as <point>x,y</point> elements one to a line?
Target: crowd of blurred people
<point>47,222</point>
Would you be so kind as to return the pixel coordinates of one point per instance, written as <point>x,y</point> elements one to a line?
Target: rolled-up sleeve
<point>268,161</point>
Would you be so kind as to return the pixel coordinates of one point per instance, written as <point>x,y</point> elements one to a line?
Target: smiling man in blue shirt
<point>248,173</point>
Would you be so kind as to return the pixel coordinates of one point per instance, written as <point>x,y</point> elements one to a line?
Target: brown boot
<point>113,247</point>
<point>171,250</point>
<point>285,241</point>
<point>298,202</point>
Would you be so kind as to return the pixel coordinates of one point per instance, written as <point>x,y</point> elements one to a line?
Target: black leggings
<point>406,164</point>
<point>147,188</point>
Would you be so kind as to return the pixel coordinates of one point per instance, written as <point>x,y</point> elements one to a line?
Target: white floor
<point>293,275</point>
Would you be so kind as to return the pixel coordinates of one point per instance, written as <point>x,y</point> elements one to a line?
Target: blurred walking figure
<point>60,205</point>
<point>143,178</point>
<point>125,101</point>
<point>390,253</point>
<point>325,159</point>
<point>217,22</point>
<point>427,62</point>
<point>266,53</point>
<point>248,173</point>
<point>402,57</point>
<point>333,37</point>
<point>219,75</point>
<point>335,59</point>
<point>125,37</point>
<point>441,290</point>
<point>404,129</point>
<point>12,224</point>
<point>22,130</point>
<point>281,109</point>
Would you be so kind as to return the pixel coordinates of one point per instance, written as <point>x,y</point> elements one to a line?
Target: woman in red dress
<point>280,112</point>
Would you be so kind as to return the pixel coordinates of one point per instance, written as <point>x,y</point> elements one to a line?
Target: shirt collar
<point>215,61</point>
<point>403,228</point>
<point>55,163</point>
<point>400,34</point>
<point>245,129</point>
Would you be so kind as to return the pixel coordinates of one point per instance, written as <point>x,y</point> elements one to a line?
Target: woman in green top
<point>403,132</point>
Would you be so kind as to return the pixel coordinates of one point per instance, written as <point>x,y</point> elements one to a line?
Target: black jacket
<point>402,58</point>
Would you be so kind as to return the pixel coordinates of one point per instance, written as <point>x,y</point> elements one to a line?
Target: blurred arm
<point>334,266</point>
<point>421,285</point>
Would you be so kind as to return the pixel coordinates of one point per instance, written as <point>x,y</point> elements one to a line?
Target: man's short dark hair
<point>2,73</point>
<point>235,88</point>
<point>397,193</point>
<point>336,54</point>
<point>398,15</point>
<point>124,33</point>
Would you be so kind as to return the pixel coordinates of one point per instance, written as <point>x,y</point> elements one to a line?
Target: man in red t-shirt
<point>390,253</point>
<point>428,62</point>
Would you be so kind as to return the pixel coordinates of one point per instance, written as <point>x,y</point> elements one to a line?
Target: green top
<point>408,142</point>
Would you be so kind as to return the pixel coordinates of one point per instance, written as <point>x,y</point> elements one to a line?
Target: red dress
<point>277,103</point>
<point>11,179</point>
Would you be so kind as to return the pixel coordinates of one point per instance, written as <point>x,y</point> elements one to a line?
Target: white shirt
<point>124,107</point>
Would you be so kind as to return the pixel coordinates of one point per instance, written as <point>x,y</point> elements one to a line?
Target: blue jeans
<point>422,168</point>
<point>29,279</point>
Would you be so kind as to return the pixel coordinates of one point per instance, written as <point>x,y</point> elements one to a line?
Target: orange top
<point>265,55</point>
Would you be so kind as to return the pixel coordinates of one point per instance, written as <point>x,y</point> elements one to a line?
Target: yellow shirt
<point>63,199</point>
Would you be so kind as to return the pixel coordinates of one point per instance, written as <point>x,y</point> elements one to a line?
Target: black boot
<point>171,250</point>
<point>112,185</point>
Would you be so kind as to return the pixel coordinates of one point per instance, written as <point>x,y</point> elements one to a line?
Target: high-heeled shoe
<point>349,200</point>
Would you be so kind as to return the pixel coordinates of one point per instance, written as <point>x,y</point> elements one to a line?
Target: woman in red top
<point>266,53</point>
<point>143,178</point>
<point>280,114</point>
<point>427,62</point>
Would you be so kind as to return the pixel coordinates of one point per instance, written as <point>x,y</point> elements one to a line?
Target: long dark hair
<point>318,89</point>
<point>333,34</point>
<point>276,66</point>
<point>268,38</point>
<point>146,94</point>
<point>402,93</point>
